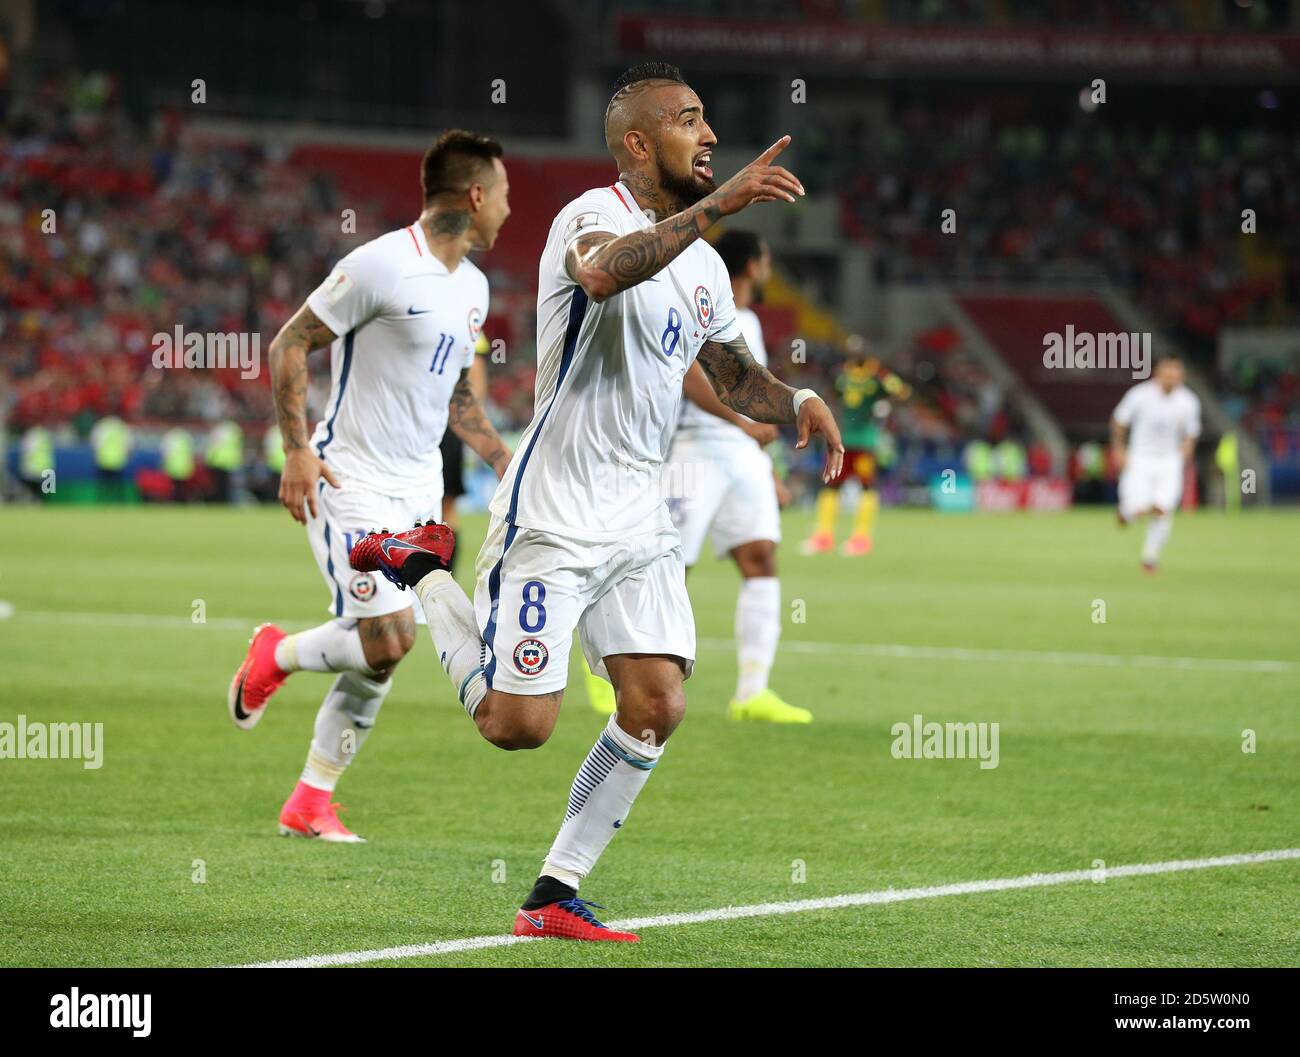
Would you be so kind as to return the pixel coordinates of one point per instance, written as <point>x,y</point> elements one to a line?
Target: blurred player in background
<point>720,483</point>
<point>453,448</point>
<point>1152,435</point>
<point>401,314</point>
<point>581,538</point>
<point>866,388</point>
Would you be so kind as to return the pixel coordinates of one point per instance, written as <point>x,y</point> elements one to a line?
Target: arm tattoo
<point>288,360</point>
<point>743,385</point>
<point>467,419</point>
<point>633,258</point>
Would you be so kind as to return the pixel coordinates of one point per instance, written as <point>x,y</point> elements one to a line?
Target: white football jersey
<point>406,328</point>
<point>1157,421</point>
<point>609,381</point>
<point>701,425</point>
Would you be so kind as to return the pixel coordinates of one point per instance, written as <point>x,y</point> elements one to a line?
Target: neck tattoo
<point>449,222</point>
<point>648,195</point>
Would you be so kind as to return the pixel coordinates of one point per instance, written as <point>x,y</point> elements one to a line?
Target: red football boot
<point>818,543</point>
<point>856,546</point>
<point>569,919</point>
<point>257,678</point>
<point>407,557</point>
<point>309,813</point>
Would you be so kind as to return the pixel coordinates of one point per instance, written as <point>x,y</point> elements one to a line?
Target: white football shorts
<point>343,515</point>
<point>1147,483</point>
<point>724,490</point>
<point>623,596</point>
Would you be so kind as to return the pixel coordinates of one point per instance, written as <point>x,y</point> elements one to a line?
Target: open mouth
<point>702,165</point>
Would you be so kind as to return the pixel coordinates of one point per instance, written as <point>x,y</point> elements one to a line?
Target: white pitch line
<point>1056,657</point>
<point>898,651</point>
<point>796,906</point>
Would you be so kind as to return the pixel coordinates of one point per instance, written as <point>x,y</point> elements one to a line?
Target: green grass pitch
<point>1122,763</point>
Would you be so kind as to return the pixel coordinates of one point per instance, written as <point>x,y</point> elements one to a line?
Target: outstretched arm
<point>745,386</point>
<point>288,361</point>
<point>470,423</point>
<point>604,264</point>
<point>699,391</point>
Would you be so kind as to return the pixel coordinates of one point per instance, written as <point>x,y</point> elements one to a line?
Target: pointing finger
<point>772,151</point>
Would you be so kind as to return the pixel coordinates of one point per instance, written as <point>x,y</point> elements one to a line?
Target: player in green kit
<point>865,388</point>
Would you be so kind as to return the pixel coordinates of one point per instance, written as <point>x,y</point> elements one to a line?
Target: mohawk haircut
<point>633,81</point>
<point>454,160</point>
<point>648,71</point>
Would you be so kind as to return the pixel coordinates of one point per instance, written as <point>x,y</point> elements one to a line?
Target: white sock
<point>342,726</point>
<point>599,801</point>
<point>335,646</point>
<point>1157,536</point>
<point>758,629</point>
<point>455,635</point>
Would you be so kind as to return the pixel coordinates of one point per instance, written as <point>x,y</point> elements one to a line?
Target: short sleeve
<point>1127,406</point>
<point>725,326</point>
<point>581,217</point>
<point>352,295</point>
<point>585,216</point>
<point>478,341</point>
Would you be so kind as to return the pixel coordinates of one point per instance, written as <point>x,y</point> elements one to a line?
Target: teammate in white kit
<point>401,314</point>
<point>721,485</point>
<point>1153,434</point>
<point>580,534</point>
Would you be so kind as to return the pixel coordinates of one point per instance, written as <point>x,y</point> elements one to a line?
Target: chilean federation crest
<point>362,587</point>
<point>703,306</point>
<point>531,656</point>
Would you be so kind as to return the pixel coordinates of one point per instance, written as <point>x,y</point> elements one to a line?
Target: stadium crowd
<point>110,234</point>
<point>1157,211</point>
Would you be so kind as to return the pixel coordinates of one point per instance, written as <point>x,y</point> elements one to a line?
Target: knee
<point>385,650</point>
<point>652,711</point>
<point>757,559</point>
<point>511,729</point>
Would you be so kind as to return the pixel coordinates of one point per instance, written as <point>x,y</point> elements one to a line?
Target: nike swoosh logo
<point>391,544</point>
<point>412,312</point>
<point>536,922</point>
<point>239,699</point>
